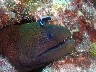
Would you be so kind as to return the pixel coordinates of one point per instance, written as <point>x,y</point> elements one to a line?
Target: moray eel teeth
<point>58,45</point>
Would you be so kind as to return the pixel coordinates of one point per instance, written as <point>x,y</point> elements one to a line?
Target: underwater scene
<point>47,35</point>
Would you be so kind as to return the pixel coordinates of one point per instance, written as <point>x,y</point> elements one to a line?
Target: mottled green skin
<point>25,44</point>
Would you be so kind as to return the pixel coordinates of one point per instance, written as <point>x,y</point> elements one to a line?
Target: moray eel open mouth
<point>28,46</point>
<point>63,42</point>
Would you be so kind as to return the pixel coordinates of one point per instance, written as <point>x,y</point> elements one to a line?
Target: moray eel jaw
<point>53,54</point>
<point>28,46</point>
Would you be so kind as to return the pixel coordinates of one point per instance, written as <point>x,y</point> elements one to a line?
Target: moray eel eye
<point>49,35</point>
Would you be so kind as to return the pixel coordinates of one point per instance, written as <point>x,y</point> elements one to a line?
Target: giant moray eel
<point>28,46</point>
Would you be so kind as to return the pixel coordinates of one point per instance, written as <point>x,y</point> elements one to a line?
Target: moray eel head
<point>29,46</point>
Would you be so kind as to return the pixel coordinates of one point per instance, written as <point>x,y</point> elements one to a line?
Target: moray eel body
<point>28,46</point>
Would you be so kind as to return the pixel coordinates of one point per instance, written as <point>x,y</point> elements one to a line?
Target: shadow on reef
<point>25,20</point>
<point>37,70</point>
